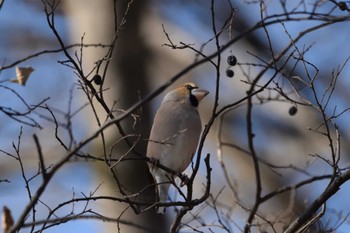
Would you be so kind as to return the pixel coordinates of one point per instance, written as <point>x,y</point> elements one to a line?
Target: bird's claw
<point>184,179</point>
<point>153,163</point>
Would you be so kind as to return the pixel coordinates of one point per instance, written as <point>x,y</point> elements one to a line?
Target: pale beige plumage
<point>175,134</point>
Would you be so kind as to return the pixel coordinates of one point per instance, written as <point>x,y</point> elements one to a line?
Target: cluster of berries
<point>231,61</point>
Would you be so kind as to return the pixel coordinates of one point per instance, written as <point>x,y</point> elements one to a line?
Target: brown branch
<point>84,216</point>
<point>332,188</point>
<point>50,51</point>
<point>190,204</point>
<point>40,155</point>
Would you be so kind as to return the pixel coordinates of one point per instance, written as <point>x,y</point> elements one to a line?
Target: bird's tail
<point>163,185</point>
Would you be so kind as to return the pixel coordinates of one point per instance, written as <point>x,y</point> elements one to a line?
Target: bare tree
<point>275,127</point>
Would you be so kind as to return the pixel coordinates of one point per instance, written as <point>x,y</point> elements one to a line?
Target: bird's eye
<point>190,87</point>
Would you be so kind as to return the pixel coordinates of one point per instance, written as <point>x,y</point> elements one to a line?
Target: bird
<point>174,136</point>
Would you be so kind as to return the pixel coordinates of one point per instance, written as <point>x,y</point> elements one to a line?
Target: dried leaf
<point>6,220</point>
<point>22,75</point>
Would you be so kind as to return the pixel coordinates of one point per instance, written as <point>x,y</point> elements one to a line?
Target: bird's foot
<point>153,163</point>
<point>184,179</point>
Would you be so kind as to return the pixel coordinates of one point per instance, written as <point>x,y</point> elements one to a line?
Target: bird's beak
<point>199,93</point>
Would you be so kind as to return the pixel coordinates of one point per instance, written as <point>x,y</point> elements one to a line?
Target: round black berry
<point>97,79</point>
<point>342,6</point>
<point>229,73</point>
<point>231,60</point>
<point>293,110</point>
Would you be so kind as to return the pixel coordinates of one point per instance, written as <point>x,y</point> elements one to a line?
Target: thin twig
<point>40,155</point>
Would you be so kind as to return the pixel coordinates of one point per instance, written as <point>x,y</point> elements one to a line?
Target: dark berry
<point>231,60</point>
<point>229,73</point>
<point>293,110</point>
<point>97,79</point>
<point>342,6</point>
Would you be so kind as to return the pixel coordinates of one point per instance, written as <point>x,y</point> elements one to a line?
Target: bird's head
<point>187,92</point>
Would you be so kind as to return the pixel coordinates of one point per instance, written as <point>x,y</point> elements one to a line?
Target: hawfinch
<point>174,136</point>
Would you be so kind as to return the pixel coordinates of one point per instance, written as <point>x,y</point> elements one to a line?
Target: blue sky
<point>52,80</point>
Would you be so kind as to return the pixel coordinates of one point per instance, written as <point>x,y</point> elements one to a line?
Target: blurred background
<point>141,63</point>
